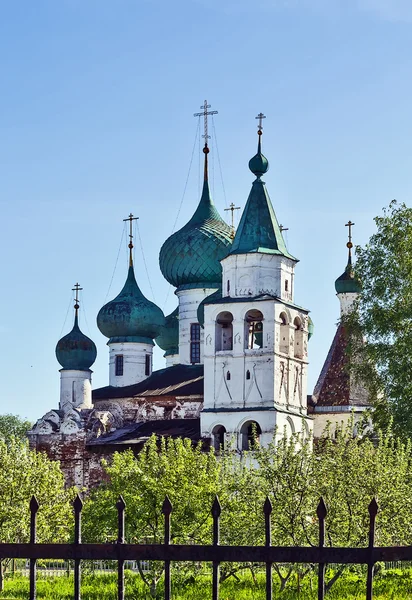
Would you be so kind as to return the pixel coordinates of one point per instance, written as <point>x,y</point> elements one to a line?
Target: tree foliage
<point>13,426</point>
<point>381,324</point>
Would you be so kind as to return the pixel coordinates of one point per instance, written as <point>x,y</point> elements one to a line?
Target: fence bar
<point>373,510</point>
<point>34,507</point>
<point>77,505</point>
<point>120,540</point>
<point>267,509</point>
<point>216,510</point>
<point>167,509</point>
<point>321,512</point>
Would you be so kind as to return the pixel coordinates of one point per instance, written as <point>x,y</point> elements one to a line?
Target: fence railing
<point>213,553</point>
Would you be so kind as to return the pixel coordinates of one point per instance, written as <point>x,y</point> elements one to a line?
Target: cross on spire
<point>76,289</point>
<point>349,244</point>
<point>232,208</point>
<point>260,116</point>
<point>205,114</point>
<point>131,218</point>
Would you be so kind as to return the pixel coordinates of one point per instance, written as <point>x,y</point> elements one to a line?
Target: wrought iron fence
<point>214,553</point>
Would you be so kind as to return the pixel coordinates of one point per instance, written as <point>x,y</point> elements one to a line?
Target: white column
<point>75,389</point>
<point>136,359</point>
<point>189,301</point>
<point>346,302</point>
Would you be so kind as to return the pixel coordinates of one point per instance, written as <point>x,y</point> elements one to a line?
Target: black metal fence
<point>213,553</point>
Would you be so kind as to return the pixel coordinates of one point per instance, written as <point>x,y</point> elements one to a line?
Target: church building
<point>236,347</point>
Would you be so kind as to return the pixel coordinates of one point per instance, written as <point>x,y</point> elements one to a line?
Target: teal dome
<point>259,164</point>
<point>201,308</point>
<point>191,257</point>
<point>168,340</point>
<point>311,328</point>
<point>75,351</point>
<point>130,317</point>
<point>347,282</point>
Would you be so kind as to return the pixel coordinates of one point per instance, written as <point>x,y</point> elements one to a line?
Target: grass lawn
<point>391,585</point>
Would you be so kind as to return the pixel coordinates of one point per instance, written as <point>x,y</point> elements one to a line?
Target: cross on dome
<point>76,289</point>
<point>260,116</point>
<point>205,114</point>
<point>131,218</point>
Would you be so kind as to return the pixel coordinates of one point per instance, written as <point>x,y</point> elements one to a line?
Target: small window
<point>228,375</point>
<point>228,287</point>
<point>195,343</point>
<point>147,366</point>
<point>248,374</point>
<point>250,435</point>
<point>254,329</point>
<point>119,365</point>
<point>286,285</point>
<point>224,331</point>
<point>219,437</point>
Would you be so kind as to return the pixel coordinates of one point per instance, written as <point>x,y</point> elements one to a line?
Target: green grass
<point>391,585</point>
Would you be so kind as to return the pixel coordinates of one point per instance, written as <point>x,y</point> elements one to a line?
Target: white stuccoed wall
<point>257,273</point>
<point>346,302</point>
<point>134,362</point>
<point>189,301</point>
<point>75,389</point>
<point>276,377</point>
<point>172,359</point>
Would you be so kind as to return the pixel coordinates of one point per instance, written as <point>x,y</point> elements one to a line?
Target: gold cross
<point>131,218</point>
<point>232,208</point>
<point>350,225</point>
<point>205,114</point>
<point>76,289</point>
<point>260,116</point>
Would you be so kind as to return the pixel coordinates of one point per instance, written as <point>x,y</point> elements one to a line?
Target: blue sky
<point>96,119</point>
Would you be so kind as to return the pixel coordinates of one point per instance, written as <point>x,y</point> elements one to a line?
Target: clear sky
<point>96,119</point>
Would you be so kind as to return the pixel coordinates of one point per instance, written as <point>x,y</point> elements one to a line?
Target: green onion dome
<point>311,328</point>
<point>130,317</point>
<point>347,282</point>
<point>259,164</point>
<point>168,340</point>
<point>209,299</point>
<point>75,351</point>
<point>191,257</point>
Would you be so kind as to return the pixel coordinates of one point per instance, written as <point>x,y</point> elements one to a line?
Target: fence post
<point>34,507</point>
<point>321,513</point>
<point>373,511</point>
<point>120,540</point>
<point>267,509</point>
<point>77,505</point>
<point>166,510</point>
<point>216,510</point>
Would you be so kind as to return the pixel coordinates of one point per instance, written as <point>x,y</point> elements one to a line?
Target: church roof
<point>179,380</point>
<point>75,351</point>
<point>336,386</point>
<point>138,433</point>
<point>259,229</point>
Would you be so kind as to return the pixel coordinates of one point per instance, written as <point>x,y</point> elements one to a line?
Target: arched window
<point>250,435</point>
<point>218,434</point>
<point>228,376</point>
<point>298,346</point>
<point>224,331</point>
<point>284,334</point>
<point>253,329</point>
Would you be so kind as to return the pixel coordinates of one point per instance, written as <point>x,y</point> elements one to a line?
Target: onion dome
<point>168,340</point>
<point>75,351</point>
<point>311,328</point>
<point>208,300</point>
<point>259,230</point>
<point>130,317</point>
<point>347,283</point>
<point>190,258</point>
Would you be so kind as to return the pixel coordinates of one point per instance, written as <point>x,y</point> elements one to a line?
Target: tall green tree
<point>13,426</point>
<point>381,324</point>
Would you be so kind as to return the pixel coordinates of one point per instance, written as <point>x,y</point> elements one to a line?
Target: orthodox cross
<point>260,116</point>
<point>205,114</point>
<point>232,208</point>
<point>349,244</point>
<point>131,218</point>
<point>76,289</point>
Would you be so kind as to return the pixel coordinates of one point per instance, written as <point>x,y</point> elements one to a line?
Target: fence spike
<point>77,504</point>
<point>34,505</point>
<point>167,506</point>
<point>216,507</point>
<point>120,504</point>
<point>267,507</point>
<point>321,510</point>
<point>373,508</point>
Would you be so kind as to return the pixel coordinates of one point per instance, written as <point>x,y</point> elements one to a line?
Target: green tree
<point>13,426</point>
<point>23,473</point>
<point>381,324</point>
